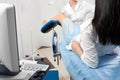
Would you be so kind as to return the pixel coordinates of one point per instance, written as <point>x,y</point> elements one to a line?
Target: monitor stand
<point>19,76</point>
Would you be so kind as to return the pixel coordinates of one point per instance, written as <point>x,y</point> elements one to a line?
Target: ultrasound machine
<point>10,66</point>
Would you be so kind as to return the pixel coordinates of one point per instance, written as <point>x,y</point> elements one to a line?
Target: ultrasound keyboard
<point>34,67</point>
<point>27,65</point>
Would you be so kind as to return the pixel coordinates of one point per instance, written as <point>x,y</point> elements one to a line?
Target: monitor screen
<point>9,59</point>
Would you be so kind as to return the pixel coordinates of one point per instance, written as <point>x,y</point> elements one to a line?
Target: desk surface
<point>46,60</point>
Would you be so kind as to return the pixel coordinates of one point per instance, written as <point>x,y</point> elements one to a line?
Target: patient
<point>94,53</point>
<point>77,11</point>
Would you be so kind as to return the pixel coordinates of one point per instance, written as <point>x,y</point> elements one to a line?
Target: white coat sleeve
<point>90,54</point>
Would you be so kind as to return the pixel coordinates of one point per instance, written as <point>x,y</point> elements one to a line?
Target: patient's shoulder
<point>86,24</point>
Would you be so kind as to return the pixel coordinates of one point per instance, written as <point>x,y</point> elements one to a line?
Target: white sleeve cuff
<point>69,46</point>
<point>88,62</point>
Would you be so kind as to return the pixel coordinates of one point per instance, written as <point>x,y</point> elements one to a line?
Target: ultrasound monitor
<point>9,59</point>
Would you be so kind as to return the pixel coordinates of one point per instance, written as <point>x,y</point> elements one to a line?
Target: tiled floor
<point>47,52</point>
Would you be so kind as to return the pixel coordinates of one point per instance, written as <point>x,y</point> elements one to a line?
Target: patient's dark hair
<point>106,21</point>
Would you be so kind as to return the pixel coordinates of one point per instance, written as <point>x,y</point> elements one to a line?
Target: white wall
<point>30,14</point>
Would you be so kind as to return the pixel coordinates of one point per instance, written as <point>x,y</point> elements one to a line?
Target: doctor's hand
<point>76,47</point>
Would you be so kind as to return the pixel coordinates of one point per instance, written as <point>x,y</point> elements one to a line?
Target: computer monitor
<point>9,57</point>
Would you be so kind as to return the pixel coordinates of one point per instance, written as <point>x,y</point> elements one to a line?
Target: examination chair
<point>73,63</point>
<point>45,29</point>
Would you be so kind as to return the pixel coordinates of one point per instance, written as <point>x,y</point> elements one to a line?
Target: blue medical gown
<point>108,69</point>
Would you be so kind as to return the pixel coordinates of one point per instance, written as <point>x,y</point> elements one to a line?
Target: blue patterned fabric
<point>108,69</point>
